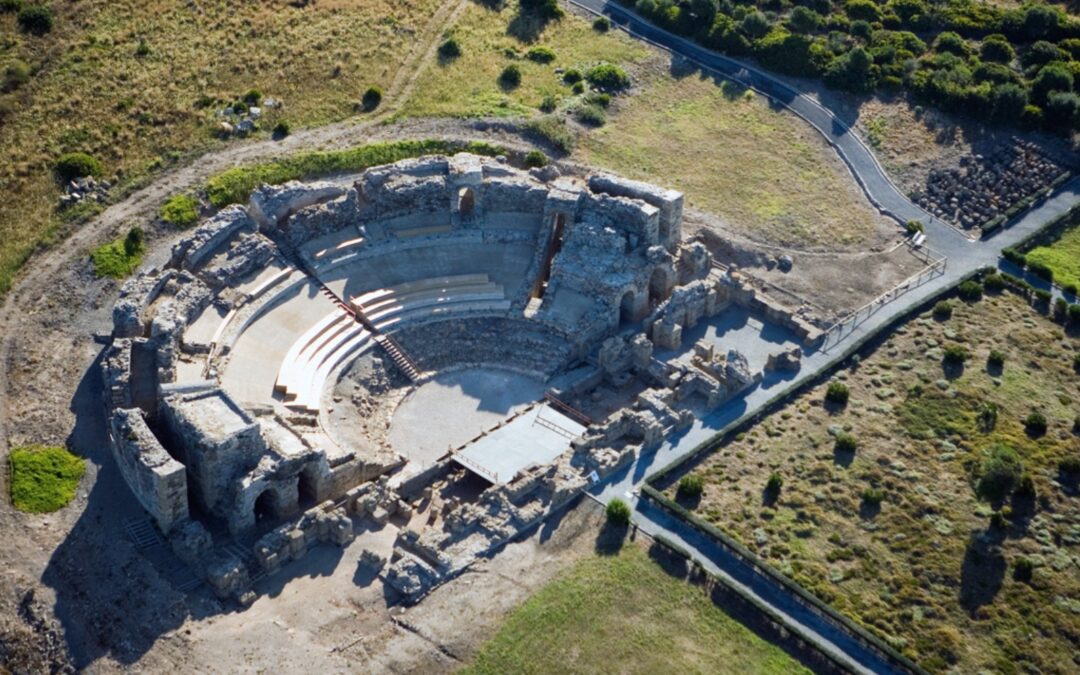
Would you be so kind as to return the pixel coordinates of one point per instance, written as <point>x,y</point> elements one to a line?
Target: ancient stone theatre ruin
<point>447,328</point>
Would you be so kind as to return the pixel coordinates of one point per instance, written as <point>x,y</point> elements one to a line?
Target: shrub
<point>607,77</point>
<point>541,54</point>
<point>1035,424</point>
<point>578,87</point>
<point>43,479</point>
<point>599,98</point>
<point>572,75</point>
<point>774,483</point>
<point>16,75</point>
<point>996,48</point>
<point>873,496</point>
<point>450,49</point>
<point>970,290</point>
<point>999,473</point>
<point>994,282</point>
<point>1023,569</point>
<point>1043,296</point>
<point>692,485</point>
<point>282,129</point>
<point>372,98</point>
<point>838,393</point>
<point>951,43</point>
<point>591,115</point>
<point>133,241</point>
<point>10,6</point>
<point>943,310</point>
<point>535,159</point>
<point>547,9</point>
<point>1041,270</point>
<point>1070,466</point>
<point>36,19</point>
<point>143,49</point>
<point>913,226</point>
<point>253,97</point>
<point>553,129</point>
<point>548,104</point>
<point>996,358</point>
<point>181,210</point>
<point>1015,257</point>
<point>846,442</point>
<point>510,77</point>
<point>988,416</point>
<point>601,24</point>
<point>1074,313</point>
<point>75,165</point>
<point>618,512</point>
<point>955,354</point>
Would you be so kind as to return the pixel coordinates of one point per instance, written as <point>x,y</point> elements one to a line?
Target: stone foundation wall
<point>157,480</point>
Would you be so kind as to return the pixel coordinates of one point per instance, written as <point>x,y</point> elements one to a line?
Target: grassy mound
<point>43,479</point>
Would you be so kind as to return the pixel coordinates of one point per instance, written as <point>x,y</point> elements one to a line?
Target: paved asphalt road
<point>965,256</point>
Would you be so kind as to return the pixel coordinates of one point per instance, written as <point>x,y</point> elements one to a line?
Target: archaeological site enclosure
<point>447,329</point>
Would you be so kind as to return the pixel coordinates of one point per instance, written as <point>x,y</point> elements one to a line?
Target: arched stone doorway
<point>466,202</point>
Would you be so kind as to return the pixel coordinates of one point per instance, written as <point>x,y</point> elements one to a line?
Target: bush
<point>181,210</point>
<point>36,19</point>
<point>77,165</point>
<point>996,359</point>
<point>133,241</point>
<point>1042,296</point>
<point>372,98</point>
<point>143,49</point>
<point>599,98</point>
<point>16,75</point>
<point>601,24</point>
<point>1074,313</point>
<point>578,87</point>
<point>994,283</point>
<point>692,485</point>
<point>1041,270</point>
<point>535,159</point>
<point>999,473</point>
<point>510,77</point>
<point>608,77</point>
<point>553,129</point>
<point>541,55</point>
<point>1023,569</point>
<point>1035,424</point>
<point>873,496</point>
<point>996,48</point>
<point>846,442</point>
<point>450,49</point>
<point>572,75</point>
<point>618,512</point>
<point>43,479</point>
<point>282,129</point>
<point>1015,257</point>
<point>955,354</point>
<point>970,290</point>
<point>913,226</point>
<point>1070,466</point>
<point>10,6</point>
<point>943,310</point>
<point>774,483</point>
<point>838,393</point>
<point>548,104</point>
<point>591,115</point>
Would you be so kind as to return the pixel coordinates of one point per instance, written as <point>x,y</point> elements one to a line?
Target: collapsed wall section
<point>157,480</point>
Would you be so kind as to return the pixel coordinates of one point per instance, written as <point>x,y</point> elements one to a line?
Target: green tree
<point>999,473</point>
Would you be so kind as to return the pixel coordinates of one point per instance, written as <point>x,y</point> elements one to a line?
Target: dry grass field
<point>893,533</point>
<point>136,83</point>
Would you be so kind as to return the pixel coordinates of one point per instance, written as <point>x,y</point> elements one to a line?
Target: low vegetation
<point>43,479</point>
<point>1062,258</point>
<point>625,610</point>
<point>121,257</point>
<point>959,476</point>
<point>181,210</point>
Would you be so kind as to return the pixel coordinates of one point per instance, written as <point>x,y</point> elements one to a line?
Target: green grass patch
<point>624,612</point>
<point>43,479</point>
<point>118,258</point>
<point>181,211</point>
<point>235,185</point>
<point>1063,257</point>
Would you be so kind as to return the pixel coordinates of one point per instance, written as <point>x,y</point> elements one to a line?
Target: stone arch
<point>267,505</point>
<point>632,306</point>
<point>660,283</point>
<point>308,487</point>
<point>466,205</point>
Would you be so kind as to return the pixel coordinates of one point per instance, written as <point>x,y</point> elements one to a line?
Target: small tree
<point>913,226</point>
<point>846,443</point>
<point>873,496</point>
<point>618,512</point>
<point>372,98</point>
<point>601,24</point>
<point>548,104</point>
<point>133,242</point>
<point>999,474</point>
<point>996,359</point>
<point>774,484</point>
<point>36,19</point>
<point>510,76</point>
<point>943,310</point>
<point>994,283</point>
<point>540,54</point>
<point>955,355</point>
<point>607,77</point>
<point>535,158</point>
<point>970,290</point>
<point>1035,424</point>
<point>837,393</point>
<point>450,49</point>
<point>75,165</point>
<point>692,485</point>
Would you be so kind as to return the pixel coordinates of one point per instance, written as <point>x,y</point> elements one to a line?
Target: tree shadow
<point>982,571</point>
<point>1070,482</point>
<point>952,370</point>
<point>869,510</point>
<point>769,496</point>
<point>688,501</point>
<point>843,457</point>
<point>995,369</point>
<point>527,26</point>
<point>610,539</point>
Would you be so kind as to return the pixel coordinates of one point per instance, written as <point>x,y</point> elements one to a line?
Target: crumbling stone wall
<point>157,480</point>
